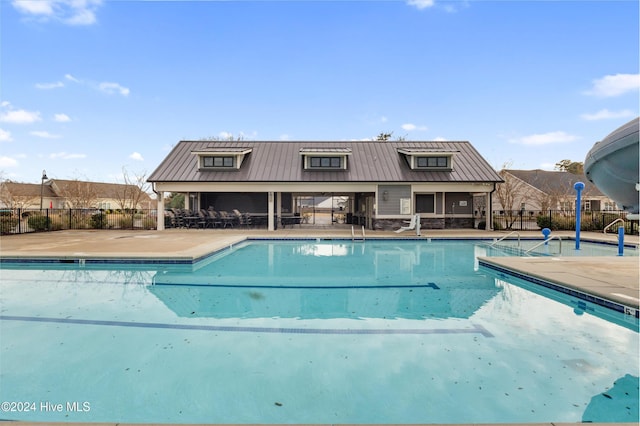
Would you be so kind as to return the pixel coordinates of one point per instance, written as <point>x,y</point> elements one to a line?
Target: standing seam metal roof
<point>281,161</point>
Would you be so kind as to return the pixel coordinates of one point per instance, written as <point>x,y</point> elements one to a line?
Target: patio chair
<point>412,224</point>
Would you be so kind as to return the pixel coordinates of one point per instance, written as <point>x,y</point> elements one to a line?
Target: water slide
<point>612,166</point>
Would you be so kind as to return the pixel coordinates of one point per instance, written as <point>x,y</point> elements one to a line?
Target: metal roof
<point>280,161</point>
<point>555,182</point>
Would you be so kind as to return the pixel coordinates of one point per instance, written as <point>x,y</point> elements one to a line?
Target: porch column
<point>278,205</point>
<point>160,211</point>
<point>488,224</point>
<point>186,201</point>
<point>271,226</point>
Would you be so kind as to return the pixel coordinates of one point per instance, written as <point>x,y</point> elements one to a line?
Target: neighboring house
<point>379,184</point>
<point>58,194</point>
<point>536,191</point>
<point>15,195</point>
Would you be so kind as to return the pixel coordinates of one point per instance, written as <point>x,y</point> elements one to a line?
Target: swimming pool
<point>309,332</point>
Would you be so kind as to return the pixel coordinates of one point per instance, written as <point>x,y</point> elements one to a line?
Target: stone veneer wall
<point>425,223</point>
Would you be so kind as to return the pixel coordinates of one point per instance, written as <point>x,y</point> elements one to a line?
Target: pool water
<point>309,332</point>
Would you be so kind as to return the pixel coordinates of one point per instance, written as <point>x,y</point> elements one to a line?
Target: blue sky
<point>89,87</point>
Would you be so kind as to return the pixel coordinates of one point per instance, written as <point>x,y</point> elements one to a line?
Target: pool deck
<point>612,277</point>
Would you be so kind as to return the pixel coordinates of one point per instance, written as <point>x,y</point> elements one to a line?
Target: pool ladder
<point>353,235</point>
<point>553,237</point>
<point>613,223</point>
<point>506,236</point>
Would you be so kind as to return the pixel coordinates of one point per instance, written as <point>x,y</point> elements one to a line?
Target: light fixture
<point>385,195</point>
<point>44,177</point>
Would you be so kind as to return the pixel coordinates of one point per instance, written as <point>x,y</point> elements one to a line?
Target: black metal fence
<point>563,220</point>
<point>20,221</point>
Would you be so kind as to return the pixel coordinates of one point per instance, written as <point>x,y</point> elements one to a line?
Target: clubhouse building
<point>375,184</point>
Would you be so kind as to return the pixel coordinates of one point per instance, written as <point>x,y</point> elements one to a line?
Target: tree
<point>511,194</point>
<point>175,200</point>
<point>384,136</point>
<point>78,194</point>
<point>129,195</point>
<point>19,196</point>
<point>227,137</point>
<point>573,167</point>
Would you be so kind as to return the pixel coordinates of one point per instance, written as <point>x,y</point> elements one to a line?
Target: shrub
<point>545,221</point>
<point>125,222</point>
<point>98,220</point>
<point>38,222</point>
<point>7,224</point>
<point>149,223</point>
<point>496,225</point>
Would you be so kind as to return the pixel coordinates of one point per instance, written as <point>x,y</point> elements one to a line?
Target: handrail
<point>353,234</point>
<point>558,237</point>
<point>509,234</point>
<point>612,223</point>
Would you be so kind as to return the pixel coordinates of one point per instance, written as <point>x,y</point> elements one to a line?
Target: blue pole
<point>579,186</point>
<point>620,240</point>
<point>546,232</point>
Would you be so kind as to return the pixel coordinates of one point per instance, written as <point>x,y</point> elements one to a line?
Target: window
<point>432,162</point>
<point>325,162</point>
<point>425,203</point>
<point>217,161</point>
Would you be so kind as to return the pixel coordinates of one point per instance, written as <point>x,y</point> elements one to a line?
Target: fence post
<point>19,221</point>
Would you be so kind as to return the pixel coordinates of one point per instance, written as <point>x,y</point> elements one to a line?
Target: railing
<point>612,223</point>
<point>503,238</point>
<point>21,221</point>
<point>560,220</point>
<point>353,235</point>
<point>553,237</point>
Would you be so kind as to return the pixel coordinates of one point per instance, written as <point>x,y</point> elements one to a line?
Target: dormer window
<point>325,158</point>
<point>432,162</point>
<point>216,158</point>
<point>433,159</point>
<point>217,161</point>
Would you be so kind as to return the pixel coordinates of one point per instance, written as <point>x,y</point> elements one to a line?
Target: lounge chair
<point>415,220</point>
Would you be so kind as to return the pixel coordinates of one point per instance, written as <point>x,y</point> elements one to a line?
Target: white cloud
<point>8,162</point>
<point>61,118</point>
<point>285,137</point>
<point>5,136</point>
<point>34,7</point>
<point>409,127</point>
<point>44,134</point>
<point>107,87</point>
<point>421,4</point>
<point>111,88</point>
<point>547,166</point>
<point>440,139</point>
<point>70,12</point>
<point>66,156</point>
<point>614,85</point>
<point>19,116</point>
<point>136,156</point>
<point>71,78</point>
<point>544,138</point>
<point>49,86</point>
<point>605,114</point>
